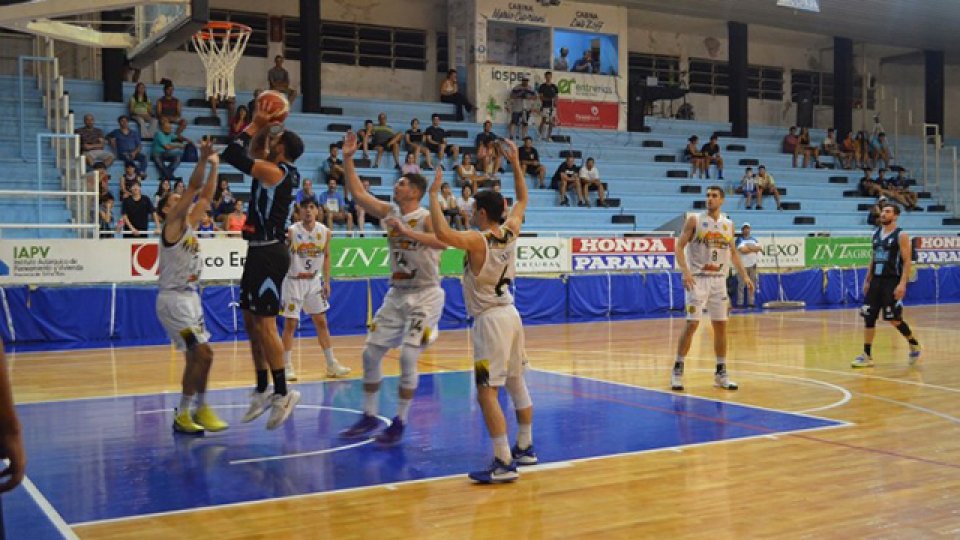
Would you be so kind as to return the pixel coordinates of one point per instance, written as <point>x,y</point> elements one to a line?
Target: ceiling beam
<point>52,9</point>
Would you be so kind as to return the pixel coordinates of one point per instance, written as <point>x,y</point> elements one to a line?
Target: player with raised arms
<point>411,310</point>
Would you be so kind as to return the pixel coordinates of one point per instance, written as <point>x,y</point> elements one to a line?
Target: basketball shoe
<point>498,473</point>
<point>281,407</point>
<point>720,380</point>
<point>393,434</point>
<point>524,457</point>
<point>676,381</point>
<point>914,355</point>
<point>206,417</point>
<point>183,423</point>
<point>862,361</point>
<point>259,403</point>
<point>336,369</point>
<point>289,373</point>
<point>361,427</point>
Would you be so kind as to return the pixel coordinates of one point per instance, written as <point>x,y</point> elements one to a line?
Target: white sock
<point>524,436</point>
<point>501,449</point>
<point>201,399</point>
<point>287,357</point>
<point>328,354</point>
<point>184,403</point>
<point>403,409</point>
<point>370,402</point>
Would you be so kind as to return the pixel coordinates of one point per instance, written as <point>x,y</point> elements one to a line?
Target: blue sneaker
<point>498,473</point>
<point>361,428</point>
<point>392,434</point>
<point>915,352</point>
<point>524,457</point>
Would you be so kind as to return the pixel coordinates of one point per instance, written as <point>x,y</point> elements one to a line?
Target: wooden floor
<point>894,474</point>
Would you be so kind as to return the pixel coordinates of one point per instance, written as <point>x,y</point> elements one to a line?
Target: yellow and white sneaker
<point>183,423</point>
<point>337,370</point>
<point>289,373</point>
<point>207,417</point>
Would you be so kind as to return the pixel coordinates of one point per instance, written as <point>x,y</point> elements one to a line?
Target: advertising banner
<point>609,254</point>
<point>838,251</point>
<point>588,114</point>
<point>787,250</point>
<point>937,249</point>
<point>543,255</point>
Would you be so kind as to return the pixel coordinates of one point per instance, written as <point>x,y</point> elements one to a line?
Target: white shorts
<point>302,294</point>
<point>709,292</point>
<point>181,315</point>
<point>498,346</point>
<point>407,317</point>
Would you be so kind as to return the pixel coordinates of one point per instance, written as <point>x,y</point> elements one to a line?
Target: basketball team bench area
<point>113,458</point>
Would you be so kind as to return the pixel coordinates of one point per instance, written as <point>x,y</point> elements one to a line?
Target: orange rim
<point>221,29</point>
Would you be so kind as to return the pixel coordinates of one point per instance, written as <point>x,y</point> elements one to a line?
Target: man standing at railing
<point>885,286</point>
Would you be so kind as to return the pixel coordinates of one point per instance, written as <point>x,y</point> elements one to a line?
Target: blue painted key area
<point>98,459</point>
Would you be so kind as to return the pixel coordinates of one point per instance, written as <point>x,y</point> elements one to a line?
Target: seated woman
<point>697,160</point>
<point>806,148</point>
<point>467,174</point>
<point>141,109</point>
<point>450,93</point>
<point>234,221</point>
<point>239,121</point>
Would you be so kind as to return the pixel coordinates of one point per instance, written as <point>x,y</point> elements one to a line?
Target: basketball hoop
<point>220,45</point>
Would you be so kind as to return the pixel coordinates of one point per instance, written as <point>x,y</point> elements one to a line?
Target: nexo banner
<point>937,249</point>
<point>605,254</point>
<point>543,255</point>
<point>787,252</point>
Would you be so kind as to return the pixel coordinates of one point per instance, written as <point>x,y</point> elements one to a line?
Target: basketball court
<point>805,444</point>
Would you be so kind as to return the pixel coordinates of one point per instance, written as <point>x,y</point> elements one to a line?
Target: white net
<point>220,49</point>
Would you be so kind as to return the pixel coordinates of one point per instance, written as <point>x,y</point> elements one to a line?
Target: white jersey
<point>412,264</point>
<point>306,250</point>
<point>180,263</point>
<point>708,253</point>
<point>491,287</point>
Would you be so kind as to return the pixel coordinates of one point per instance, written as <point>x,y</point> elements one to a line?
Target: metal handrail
<point>21,60</point>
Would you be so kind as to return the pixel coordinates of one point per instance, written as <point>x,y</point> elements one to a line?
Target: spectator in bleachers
<point>530,161</point>
<point>167,151</point>
<point>489,160</point>
<point>590,176</point>
<point>410,166</point>
<point>223,199</point>
<point>748,188</point>
<point>567,176</point>
<point>873,215</point>
<point>252,104</point>
<point>831,148</point>
<point>207,228</point>
<point>178,187</point>
<point>360,217</point>
<point>141,109</point>
<point>231,103</point>
<point>130,176</point>
<point>169,107</point>
<point>448,203</point>
<point>92,143</point>
<point>99,175</point>
<point>365,138</point>
<point>806,147</point>
<point>548,93</point>
<point>190,153</point>
<point>867,186</point>
<point>711,156</point>
<point>279,80</point>
<point>880,151</point>
<point>233,221</point>
<point>108,226</point>
<point>414,141</point>
<point>127,144</point>
<point>584,64</point>
<point>789,144</point>
<point>137,211</point>
<point>750,250</point>
<point>435,141</point>
<point>467,174</point>
<point>163,189</point>
<point>384,137</point>
<point>306,192</point>
<point>332,167</point>
<point>560,63</point>
<point>848,149</point>
<point>693,156</point>
<point>239,122</point>
<point>465,202</point>
<point>335,207</point>
<point>521,101</point>
<point>861,150</point>
<point>450,93</point>
<point>766,186</point>
<point>899,187</point>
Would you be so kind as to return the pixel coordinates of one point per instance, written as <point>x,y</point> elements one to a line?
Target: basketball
<point>275,104</point>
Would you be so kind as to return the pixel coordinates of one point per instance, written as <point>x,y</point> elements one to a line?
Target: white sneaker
<point>258,405</point>
<point>676,381</point>
<point>336,369</point>
<point>721,381</point>
<point>281,407</point>
<point>288,372</point>
<point>862,361</point>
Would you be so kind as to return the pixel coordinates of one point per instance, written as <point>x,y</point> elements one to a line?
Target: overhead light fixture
<point>802,5</point>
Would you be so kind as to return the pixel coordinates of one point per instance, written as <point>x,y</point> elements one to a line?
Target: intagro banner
<point>937,249</point>
<point>579,93</point>
<point>543,255</point>
<point>787,250</point>
<point>838,251</point>
<point>631,254</point>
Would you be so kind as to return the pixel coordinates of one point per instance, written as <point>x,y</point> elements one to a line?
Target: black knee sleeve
<point>904,329</point>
